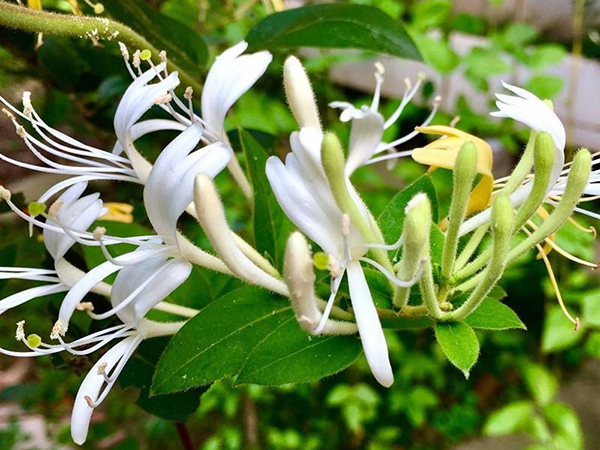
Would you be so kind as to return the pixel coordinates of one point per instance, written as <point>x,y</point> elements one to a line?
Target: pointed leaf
<point>216,342</point>
<point>290,355</point>
<point>334,26</point>
<point>494,315</point>
<point>459,343</point>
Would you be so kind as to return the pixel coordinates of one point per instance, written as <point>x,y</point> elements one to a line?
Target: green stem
<point>101,28</point>
<point>502,226</point>
<point>523,167</point>
<point>427,288</point>
<point>470,247</point>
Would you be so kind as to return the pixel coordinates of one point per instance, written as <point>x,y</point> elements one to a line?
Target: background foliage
<point>514,386</point>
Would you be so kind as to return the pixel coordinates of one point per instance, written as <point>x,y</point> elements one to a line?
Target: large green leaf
<point>334,26</point>
<point>513,418</point>
<point>392,217</point>
<point>494,315</point>
<point>271,226</point>
<point>184,46</point>
<point>290,355</point>
<point>138,373</point>
<point>459,343</point>
<point>252,333</point>
<point>216,342</point>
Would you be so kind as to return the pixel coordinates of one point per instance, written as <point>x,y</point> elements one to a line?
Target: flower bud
<point>299,93</point>
<point>300,278</point>
<point>417,226</point>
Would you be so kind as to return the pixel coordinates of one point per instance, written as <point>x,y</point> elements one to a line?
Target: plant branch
<point>101,28</point>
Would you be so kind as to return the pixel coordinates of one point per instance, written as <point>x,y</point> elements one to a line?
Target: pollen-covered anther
<point>124,51</point>
<point>189,91</point>
<point>55,208</point>
<point>380,68</point>
<point>8,114</point>
<point>455,121</point>
<point>162,55</point>
<point>102,368</point>
<point>437,100</point>
<point>408,84</point>
<point>577,324</point>
<point>4,194</point>
<point>27,106</point>
<point>99,233</point>
<point>136,59</point>
<point>85,306</point>
<point>57,330</point>
<point>20,131</point>
<point>89,401</point>
<point>334,268</point>
<point>163,99</point>
<point>20,333</point>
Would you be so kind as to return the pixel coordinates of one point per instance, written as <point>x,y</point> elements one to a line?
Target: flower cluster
<point>314,189</point>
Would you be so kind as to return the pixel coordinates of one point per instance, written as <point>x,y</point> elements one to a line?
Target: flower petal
<point>369,326</point>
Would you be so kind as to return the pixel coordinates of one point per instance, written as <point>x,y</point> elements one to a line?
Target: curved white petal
<point>91,386</point>
<point>365,137</point>
<point>158,278</point>
<point>170,185</point>
<point>29,294</point>
<point>231,75</point>
<point>369,327</point>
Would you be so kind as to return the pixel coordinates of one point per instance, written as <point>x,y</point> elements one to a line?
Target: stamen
<point>124,51</point>
<point>27,106</point>
<point>55,208</point>
<point>163,57</point>
<point>379,71</point>
<point>57,330</point>
<point>163,99</point>
<point>590,229</point>
<point>455,121</point>
<point>85,306</point>
<point>335,287</point>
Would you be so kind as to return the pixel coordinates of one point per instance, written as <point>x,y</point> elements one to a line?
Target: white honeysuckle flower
<point>538,115</point>
<point>157,264</point>
<point>368,125</point>
<point>230,76</point>
<point>303,193</point>
<point>77,213</point>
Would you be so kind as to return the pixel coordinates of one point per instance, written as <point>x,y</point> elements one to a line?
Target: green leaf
<point>545,86</point>
<point>559,333</point>
<point>438,53</point>
<point>567,426</point>
<point>290,355</point>
<point>333,26</point>
<point>138,373</point>
<point>430,14</point>
<point>591,308</point>
<point>517,35</point>
<point>216,343</point>
<point>271,226</point>
<point>546,55</point>
<point>540,382</point>
<point>184,46</point>
<point>392,217</point>
<point>459,343</point>
<point>484,63</point>
<point>494,315</point>
<point>510,419</point>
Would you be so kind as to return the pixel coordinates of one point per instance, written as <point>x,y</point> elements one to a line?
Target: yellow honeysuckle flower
<point>443,151</point>
<point>118,212</point>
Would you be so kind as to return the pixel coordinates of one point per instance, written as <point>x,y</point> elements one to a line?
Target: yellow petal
<point>118,212</point>
<point>35,4</point>
<point>481,195</point>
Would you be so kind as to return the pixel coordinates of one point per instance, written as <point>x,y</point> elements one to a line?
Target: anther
<point>189,91</point>
<point>162,55</point>
<point>57,330</point>
<point>408,84</point>
<point>162,99</point>
<point>10,115</point>
<point>136,59</point>
<point>4,194</point>
<point>27,106</point>
<point>102,368</point>
<point>124,51</point>
<point>455,121</point>
<point>89,401</point>
<point>380,68</point>
<point>20,131</point>
<point>20,333</point>
<point>85,306</point>
<point>99,233</point>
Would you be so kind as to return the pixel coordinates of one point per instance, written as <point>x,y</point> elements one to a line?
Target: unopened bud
<point>299,93</point>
